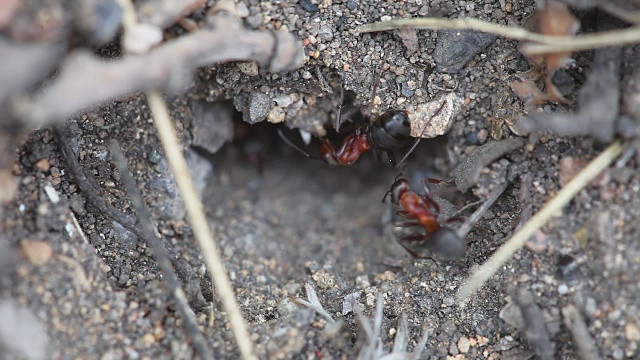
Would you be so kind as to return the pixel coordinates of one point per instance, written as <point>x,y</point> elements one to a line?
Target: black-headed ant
<point>387,133</point>
<point>422,210</point>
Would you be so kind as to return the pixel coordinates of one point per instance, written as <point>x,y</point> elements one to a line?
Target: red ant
<point>390,132</point>
<point>423,211</point>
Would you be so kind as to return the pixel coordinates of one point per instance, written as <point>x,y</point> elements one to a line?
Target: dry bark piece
<point>7,10</point>
<point>467,173</point>
<point>85,80</point>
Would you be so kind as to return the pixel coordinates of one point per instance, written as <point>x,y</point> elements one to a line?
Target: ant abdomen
<point>447,244</point>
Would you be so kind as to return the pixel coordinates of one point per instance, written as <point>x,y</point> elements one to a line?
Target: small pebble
<point>37,252</point>
<point>308,6</point>
<point>563,289</point>
<point>463,345</point>
<point>242,10</point>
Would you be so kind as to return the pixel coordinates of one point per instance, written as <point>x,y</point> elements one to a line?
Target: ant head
<point>399,187</point>
<point>447,244</point>
<point>396,123</point>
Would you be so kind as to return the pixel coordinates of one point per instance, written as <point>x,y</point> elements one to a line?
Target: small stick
<point>504,254</point>
<point>190,323</point>
<point>544,43</point>
<point>583,340</point>
<point>468,225</point>
<point>85,182</point>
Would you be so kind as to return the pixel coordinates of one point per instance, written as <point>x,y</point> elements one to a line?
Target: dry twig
<point>504,254</point>
<point>539,43</point>
<point>86,80</point>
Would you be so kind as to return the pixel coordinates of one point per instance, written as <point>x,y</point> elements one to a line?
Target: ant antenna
<point>394,181</point>
<point>338,116</point>
<point>424,129</point>
<point>376,78</point>
<point>296,147</point>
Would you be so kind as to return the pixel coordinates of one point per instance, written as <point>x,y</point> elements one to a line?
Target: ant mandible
<point>388,133</point>
<point>422,210</point>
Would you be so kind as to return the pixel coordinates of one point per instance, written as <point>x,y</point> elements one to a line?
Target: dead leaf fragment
<point>529,92</point>
<point>37,252</point>
<point>554,20</point>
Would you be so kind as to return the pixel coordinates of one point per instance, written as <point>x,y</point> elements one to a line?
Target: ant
<point>388,133</point>
<point>422,210</point>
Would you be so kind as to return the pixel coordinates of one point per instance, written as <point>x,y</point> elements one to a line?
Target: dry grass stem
<point>541,43</point>
<point>313,303</point>
<point>199,224</point>
<point>504,254</point>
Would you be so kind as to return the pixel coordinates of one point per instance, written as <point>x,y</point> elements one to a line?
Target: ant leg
<point>414,238</point>
<point>338,116</point>
<point>392,159</point>
<point>438,181</point>
<point>405,214</point>
<point>428,197</point>
<point>407,224</point>
<point>384,198</point>
<point>456,219</point>
<point>296,147</point>
<point>413,253</point>
<point>378,155</point>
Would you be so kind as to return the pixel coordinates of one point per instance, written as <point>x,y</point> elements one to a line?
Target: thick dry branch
<point>25,64</point>
<point>86,81</point>
<point>164,13</point>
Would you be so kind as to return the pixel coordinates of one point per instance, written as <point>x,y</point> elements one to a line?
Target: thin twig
<point>466,227</point>
<point>182,304</point>
<point>199,224</point>
<point>85,182</point>
<point>543,43</point>
<point>504,254</point>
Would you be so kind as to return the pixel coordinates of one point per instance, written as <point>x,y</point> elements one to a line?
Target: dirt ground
<point>283,220</point>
